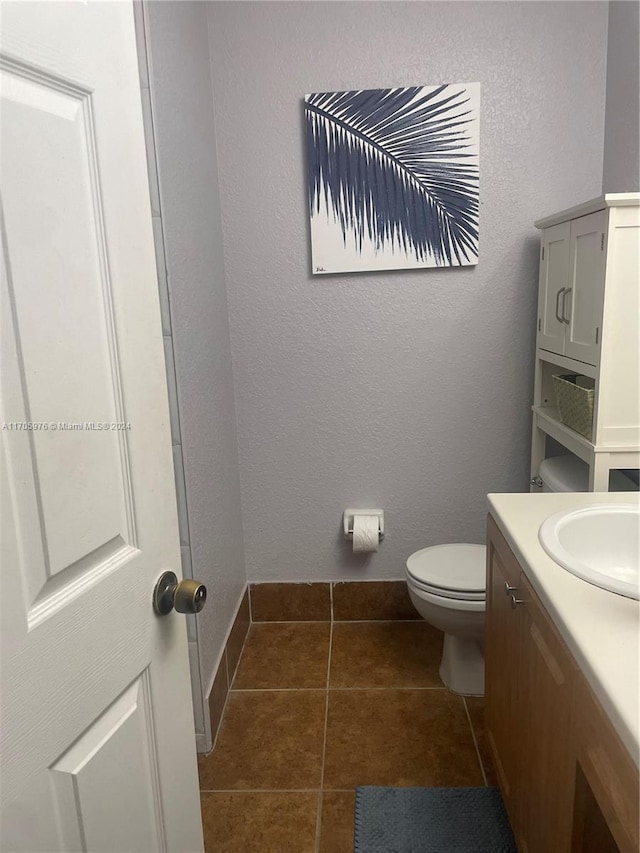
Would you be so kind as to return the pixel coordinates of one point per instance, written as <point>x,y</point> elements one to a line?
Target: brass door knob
<point>186,596</point>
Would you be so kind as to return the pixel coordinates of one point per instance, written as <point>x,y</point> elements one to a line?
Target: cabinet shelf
<point>548,420</point>
<point>571,365</point>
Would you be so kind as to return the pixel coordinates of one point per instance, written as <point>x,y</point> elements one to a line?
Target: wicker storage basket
<point>575,402</point>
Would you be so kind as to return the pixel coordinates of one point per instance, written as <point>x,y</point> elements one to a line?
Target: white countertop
<point>601,629</point>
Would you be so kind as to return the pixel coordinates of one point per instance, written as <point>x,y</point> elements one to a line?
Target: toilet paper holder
<point>349,514</point>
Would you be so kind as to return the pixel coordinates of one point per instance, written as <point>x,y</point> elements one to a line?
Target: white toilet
<point>447,585</point>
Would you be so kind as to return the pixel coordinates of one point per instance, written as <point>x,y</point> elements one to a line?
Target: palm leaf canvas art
<point>393,177</point>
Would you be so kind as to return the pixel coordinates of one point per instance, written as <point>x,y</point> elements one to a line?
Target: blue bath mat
<point>432,820</point>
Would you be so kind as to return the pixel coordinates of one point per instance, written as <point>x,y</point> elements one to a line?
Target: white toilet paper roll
<point>365,534</point>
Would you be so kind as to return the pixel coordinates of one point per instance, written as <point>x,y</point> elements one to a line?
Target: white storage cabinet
<point>589,323</point>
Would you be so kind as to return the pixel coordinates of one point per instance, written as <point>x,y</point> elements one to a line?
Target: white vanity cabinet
<point>589,323</point>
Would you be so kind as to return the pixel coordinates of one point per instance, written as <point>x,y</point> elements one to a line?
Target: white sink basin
<point>598,543</point>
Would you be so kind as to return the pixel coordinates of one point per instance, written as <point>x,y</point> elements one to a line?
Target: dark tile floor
<point>317,709</point>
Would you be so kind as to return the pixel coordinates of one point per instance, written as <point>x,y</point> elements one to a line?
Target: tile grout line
<point>322,689</point>
<point>324,742</point>
<point>336,621</point>
<point>292,622</point>
<point>475,742</point>
<point>275,790</point>
<point>279,689</point>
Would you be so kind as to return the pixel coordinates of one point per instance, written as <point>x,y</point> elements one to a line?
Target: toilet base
<point>462,666</point>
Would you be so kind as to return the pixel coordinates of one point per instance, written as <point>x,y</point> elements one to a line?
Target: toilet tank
<point>570,474</point>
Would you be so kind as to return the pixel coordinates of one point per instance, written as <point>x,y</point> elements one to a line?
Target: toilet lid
<point>450,567</point>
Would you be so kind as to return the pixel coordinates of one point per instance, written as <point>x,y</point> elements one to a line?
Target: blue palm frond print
<point>399,167</point>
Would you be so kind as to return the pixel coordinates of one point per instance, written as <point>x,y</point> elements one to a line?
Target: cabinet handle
<point>565,319</point>
<point>509,589</point>
<point>558,295</point>
<point>516,601</point>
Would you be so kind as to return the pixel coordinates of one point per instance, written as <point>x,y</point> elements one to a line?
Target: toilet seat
<point>437,591</point>
<point>449,571</point>
<point>459,605</point>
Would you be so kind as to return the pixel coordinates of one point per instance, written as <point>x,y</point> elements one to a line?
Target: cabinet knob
<point>509,589</point>
<point>516,601</point>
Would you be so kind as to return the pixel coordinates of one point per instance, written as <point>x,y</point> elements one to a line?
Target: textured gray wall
<point>186,151</point>
<point>404,390</point>
<point>621,171</point>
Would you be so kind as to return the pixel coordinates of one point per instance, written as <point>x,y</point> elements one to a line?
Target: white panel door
<point>554,281</point>
<point>98,748</point>
<point>585,297</point>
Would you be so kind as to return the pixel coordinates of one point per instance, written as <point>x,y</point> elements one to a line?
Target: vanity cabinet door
<point>501,662</point>
<point>607,803</point>
<point>545,708</point>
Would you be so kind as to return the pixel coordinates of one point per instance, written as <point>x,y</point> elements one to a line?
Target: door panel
<point>584,303</point>
<point>75,485</point>
<point>98,806</point>
<point>554,278</point>
<point>98,748</point>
